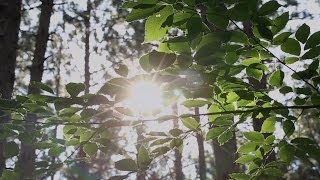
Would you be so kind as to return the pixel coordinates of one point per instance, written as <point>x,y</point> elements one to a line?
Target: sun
<point>145,96</point>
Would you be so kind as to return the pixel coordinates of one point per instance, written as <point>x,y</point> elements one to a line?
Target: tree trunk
<point>202,159</point>
<point>87,25</point>
<point>225,157</point>
<point>10,15</point>
<point>27,155</point>
<point>178,156</point>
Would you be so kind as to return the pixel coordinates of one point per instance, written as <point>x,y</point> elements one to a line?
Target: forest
<point>159,89</point>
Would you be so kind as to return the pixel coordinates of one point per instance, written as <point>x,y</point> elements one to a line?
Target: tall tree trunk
<point>178,156</point>
<point>87,46</point>
<point>27,155</point>
<point>10,15</point>
<point>87,25</point>
<point>225,157</point>
<point>202,159</point>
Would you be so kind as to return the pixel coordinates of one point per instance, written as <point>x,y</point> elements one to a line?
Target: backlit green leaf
<point>245,159</point>
<point>287,153</point>
<point>158,24</point>
<point>276,78</point>
<point>126,165</point>
<point>215,132</point>
<point>195,103</point>
<point>268,125</point>
<point>254,136</point>
<point>90,149</point>
<point>191,123</point>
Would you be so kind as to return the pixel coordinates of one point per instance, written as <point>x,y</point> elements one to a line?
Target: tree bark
<point>225,157</point>
<point>27,155</point>
<point>202,159</point>
<point>10,15</point>
<point>87,25</point>
<point>178,156</point>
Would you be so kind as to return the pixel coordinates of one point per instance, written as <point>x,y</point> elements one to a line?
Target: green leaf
<point>265,32</point>
<point>56,150</point>
<point>232,97</point>
<point>281,38</point>
<point>115,86</point>
<point>160,60</point>
<point>85,136</point>
<point>286,153</point>
<point>225,137</point>
<point>143,158</point>
<point>231,57</point>
<point>313,41</point>
<point>268,8</point>
<point>291,60</point>
<point>276,78</point>
<point>184,61</point>
<point>122,70</point>
<point>157,25</point>
<point>255,73</point>
<point>9,175</point>
<point>69,111</point>
<point>191,123</point>
<point>245,159</point>
<point>176,142</point>
<point>303,33</point>
<point>249,61</point>
<point>270,139</point>
<point>280,22</point>
<point>254,136</point>
<point>215,15</point>
<point>145,63</point>
<point>75,88</point>
<point>42,86</point>
<point>90,149</point>
<point>160,142</point>
<point>312,53</point>
<point>272,171</point>
<point>195,103</point>
<point>291,46</point>
<point>239,176</point>
<point>11,149</point>
<point>223,121</point>
<point>137,14</point>
<point>126,165</point>
<point>303,141</point>
<point>288,127</point>
<point>161,151</point>
<point>247,147</point>
<point>268,125</point>
<point>175,132</point>
<point>215,132</point>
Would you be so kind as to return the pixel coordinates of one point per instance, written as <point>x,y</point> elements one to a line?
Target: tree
<point>10,21</point>
<point>203,54</point>
<point>27,155</point>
